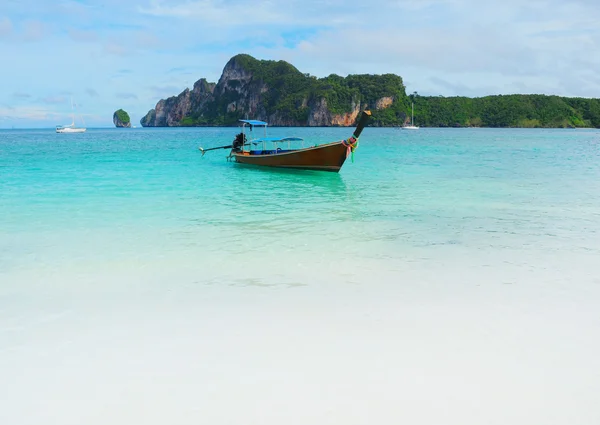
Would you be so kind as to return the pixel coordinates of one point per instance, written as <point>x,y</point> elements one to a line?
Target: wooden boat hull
<point>327,157</point>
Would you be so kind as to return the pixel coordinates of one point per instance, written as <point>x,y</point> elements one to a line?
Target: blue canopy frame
<point>255,123</point>
<point>263,140</point>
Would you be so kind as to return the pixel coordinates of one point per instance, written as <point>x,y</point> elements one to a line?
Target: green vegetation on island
<point>516,110</point>
<point>278,92</point>
<point>121,118</point>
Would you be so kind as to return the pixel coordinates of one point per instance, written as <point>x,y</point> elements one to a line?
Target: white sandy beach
<point>420,347</point>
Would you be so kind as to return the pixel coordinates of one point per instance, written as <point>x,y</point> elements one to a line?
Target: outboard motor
<point>239,141</point>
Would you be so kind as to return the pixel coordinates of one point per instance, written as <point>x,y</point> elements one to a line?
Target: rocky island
<point>277,92</point>
<point>121,119</point>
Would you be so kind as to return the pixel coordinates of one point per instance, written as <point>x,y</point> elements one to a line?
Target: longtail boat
<point>267,151</point>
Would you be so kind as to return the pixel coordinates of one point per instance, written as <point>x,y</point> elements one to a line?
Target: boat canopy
<point>278,139</point>
<point>255,123</point>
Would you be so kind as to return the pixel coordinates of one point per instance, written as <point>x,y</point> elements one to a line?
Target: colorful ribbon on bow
<point>351,145</point>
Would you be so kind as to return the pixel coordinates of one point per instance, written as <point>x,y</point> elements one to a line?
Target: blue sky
<point>129,54</point>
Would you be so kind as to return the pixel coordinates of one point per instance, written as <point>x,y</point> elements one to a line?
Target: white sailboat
<point>412,125</point>
<point>71,128</point>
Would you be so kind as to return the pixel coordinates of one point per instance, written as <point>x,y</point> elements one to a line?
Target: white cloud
<point>83,35</point>
<point>28,113</point>
<point>447,36</point>
<point>147,40</point>
<point>227,14</point>
<point>510,42</point>
<point>166,91</point>
<point>54,100</point>
<point>6,27</point>
<point>126,96</point>
<point>21,95</point>
<point>34,31</point>
<point>117,48</point>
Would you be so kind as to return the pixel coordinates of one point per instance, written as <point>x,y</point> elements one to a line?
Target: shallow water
<point>446,276</point>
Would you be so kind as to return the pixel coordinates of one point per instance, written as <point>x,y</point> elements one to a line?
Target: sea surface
<point>444,276</point>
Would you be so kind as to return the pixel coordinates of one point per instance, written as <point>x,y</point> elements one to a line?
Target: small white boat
<point>71,128</point>
<point>412,126</point>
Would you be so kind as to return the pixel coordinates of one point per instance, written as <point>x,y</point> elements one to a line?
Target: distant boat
<point>71,128</point>
<point>412,126</point>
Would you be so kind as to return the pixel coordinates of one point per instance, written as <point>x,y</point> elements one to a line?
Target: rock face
<point>121,119</point>
<point>275,92</point>
<point>384,102</point>
<point>170,112</point>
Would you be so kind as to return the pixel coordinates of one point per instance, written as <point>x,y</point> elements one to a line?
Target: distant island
<point>121,119</point>
<point>277,92</point>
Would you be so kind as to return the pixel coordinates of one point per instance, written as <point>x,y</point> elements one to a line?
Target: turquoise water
<point>444,267</point>
<point>148,196</point>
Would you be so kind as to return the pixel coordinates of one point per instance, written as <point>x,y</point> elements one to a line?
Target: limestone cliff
<point>172,111</point>
<point>276,92</point>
